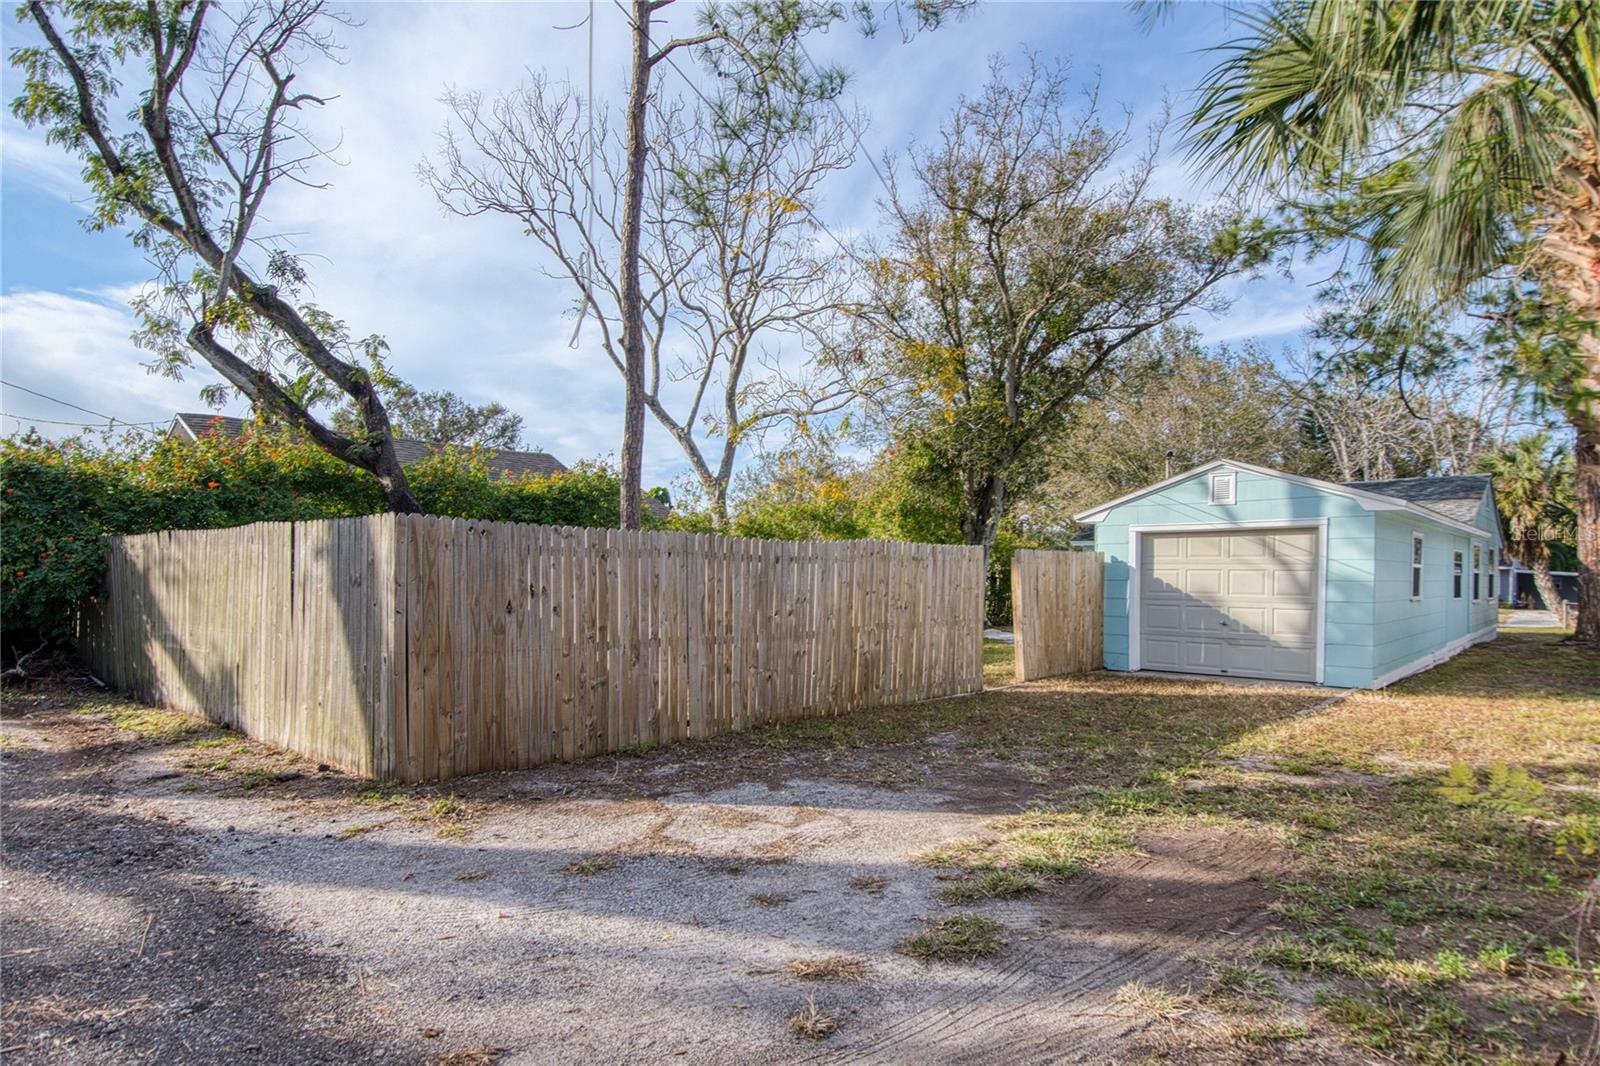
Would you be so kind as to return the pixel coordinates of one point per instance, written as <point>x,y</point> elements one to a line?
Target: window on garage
<point>1456,575</point>
<point>1492,573</point>
<point>1477,571</point>
<point>1416,566</point>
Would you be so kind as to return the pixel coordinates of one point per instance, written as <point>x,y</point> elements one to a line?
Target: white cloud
<point>75,347</point>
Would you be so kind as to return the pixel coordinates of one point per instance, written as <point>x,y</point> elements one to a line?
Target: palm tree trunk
<point>1539,563</point>
<point>1588,491</point>
<point>1572,245</point>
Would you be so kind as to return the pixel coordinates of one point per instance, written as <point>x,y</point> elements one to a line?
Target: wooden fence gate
<point>1057,612</point>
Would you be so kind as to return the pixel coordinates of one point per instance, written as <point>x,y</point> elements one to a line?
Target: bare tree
<point>754,49</point>
<point>732,278</point>
<point>217,127</point>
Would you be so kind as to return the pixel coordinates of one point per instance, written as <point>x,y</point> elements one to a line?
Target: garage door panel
<point>1296,584</point>
<point>1163,654</point>
<point>1251,619</point>
<point>1247,582</point>
<point>1293,623</point>
<point>1230,603</point>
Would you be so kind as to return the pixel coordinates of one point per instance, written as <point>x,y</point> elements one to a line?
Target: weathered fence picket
<point>1056,612</point>
<point>421,648</point>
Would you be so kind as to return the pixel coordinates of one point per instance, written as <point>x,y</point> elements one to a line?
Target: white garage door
<point>1240,604</point>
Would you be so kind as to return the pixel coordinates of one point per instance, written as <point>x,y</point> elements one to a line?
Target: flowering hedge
<point>58,497</point>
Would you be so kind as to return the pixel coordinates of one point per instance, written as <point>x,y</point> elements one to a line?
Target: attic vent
<point>1222,488</point>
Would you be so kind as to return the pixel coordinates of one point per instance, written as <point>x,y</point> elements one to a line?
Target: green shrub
<point>57,498</point>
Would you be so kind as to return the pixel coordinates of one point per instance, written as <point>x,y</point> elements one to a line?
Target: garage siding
<point>1405,630</point>
<point>1349,612</point>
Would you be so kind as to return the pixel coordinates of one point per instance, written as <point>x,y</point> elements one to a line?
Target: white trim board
<point>1434,658</point>
<point>1370,501</point>
<point>1135,542</point>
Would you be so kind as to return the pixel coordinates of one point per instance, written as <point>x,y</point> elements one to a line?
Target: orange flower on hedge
<point>211,484</point>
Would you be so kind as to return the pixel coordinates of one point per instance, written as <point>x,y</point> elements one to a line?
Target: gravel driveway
<point>619,910</point>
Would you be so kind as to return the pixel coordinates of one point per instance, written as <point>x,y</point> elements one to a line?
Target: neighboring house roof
<point>501,461</point>
<point>1371,495</point>
<point>1457,497</point>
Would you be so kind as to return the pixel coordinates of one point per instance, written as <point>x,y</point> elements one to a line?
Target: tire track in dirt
<point>1138,918</point>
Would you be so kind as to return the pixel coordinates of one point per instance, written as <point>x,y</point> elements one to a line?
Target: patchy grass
<point>594,864</point>
<point>1423,912</point>
<point>956,938</point>
<point>812,1022</point>
<point>150,724</point>
<point>871,884</point>
<point>768,900</point>
<point>1154,1001</point>
<point>831,968</point>
<point>999,663</point>
<point>988,884</point>
<point>1028,847</point>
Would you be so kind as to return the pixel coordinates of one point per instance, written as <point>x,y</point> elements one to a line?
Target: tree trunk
<point>1588,491</point>
<point>1572,246</point>
<point>632,297</point>
<point>1538,561</point>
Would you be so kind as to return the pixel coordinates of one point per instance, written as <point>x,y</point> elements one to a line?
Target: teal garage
<point>1239,570</point>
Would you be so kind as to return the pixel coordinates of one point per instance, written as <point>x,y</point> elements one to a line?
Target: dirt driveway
<point>176,894</point>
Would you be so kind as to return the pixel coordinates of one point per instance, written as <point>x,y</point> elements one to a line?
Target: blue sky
<point>464,303</point>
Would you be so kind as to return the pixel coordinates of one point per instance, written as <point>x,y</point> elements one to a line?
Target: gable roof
<point>1367,493</point>
<point>1457,497</point>
<point>501,462</point>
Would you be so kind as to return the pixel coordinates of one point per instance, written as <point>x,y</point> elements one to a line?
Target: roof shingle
<point>1456,497</point>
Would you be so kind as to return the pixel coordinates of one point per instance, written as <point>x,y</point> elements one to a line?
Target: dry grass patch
<point>1525,699</point>
<point>594,864</point>
<point>1155,1001</point>
<point>812,1022</point>
<point>955,938</point>
<point>871,884</point>
<point>1027,847</point>
<point>476,1056</point>
<point>831,968</point>
<point>770,899</point>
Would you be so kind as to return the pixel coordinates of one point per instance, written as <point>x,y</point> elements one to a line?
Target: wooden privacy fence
<point>1057,612</point>
<point>421,648</point>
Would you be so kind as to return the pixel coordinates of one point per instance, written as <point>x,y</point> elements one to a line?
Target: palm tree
<point>1533,489</point>
<point>1458,142</point>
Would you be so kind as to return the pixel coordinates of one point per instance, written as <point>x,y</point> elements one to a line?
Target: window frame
<point>1418,553</point>
<point>1477,572</point>
<point>1232,481</point>
<point>1493,571</point>
<point>1458,573</point>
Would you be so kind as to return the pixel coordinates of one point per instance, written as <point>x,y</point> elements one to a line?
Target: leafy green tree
<point>440,417</point>
<point>186,160</point>
<point>1172,406</point>
<point>1457,142</point>
<point>1533,487</point>
<point>1022,266</point>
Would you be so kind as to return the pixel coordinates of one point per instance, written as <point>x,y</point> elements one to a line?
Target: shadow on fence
<point>424,648</point>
